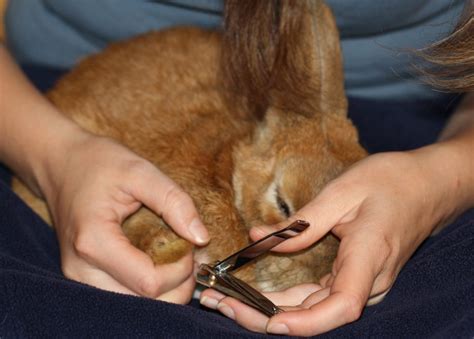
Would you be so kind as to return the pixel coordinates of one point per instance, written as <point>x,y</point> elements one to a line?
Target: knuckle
<point>391,248</point>
<point>84,246</point>
<point>187,265</point>
<point>296,216</point>
<point>175,198</point>
<point>137,167</point>
<point>387,248</point>
<point>339,187</point>
<point>337,190</point>
<point>148,286</point>
<point>185,297</point>
<point>354,306</point>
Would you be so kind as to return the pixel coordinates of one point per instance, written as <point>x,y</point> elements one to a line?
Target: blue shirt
<point>375,35</point>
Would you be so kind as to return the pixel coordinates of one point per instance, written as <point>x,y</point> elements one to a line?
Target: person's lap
<point>433,296</point>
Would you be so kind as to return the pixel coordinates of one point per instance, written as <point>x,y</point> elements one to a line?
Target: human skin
<point>381,209</point>
<point>37,143</point>
<point>91,185</point>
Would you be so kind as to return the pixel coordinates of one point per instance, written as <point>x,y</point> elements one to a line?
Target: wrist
<point>448,169</point>
<point>46,161</point>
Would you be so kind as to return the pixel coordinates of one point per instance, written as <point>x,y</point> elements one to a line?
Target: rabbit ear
<point>307,74</point>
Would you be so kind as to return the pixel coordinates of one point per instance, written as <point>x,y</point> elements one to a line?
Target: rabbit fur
<point>160,95</point>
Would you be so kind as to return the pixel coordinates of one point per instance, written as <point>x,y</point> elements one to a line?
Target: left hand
<point>381,209</point>
<point>92,185</point>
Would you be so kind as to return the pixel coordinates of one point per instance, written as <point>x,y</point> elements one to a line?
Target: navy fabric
<point>376,36</point>
<point>399,126</point>
<point>432,297</point>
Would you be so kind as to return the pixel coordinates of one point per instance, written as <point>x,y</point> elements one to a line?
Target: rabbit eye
<point>283,206</point>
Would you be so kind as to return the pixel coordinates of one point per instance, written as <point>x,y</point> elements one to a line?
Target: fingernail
<point>278,328</point>
<point>226,310</point>
<point>209,302</point>
<point>198,232</point>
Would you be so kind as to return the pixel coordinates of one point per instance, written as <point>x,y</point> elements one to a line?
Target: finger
<point>334,311</point>
<point>377,298</point>
<point>109,250</point>
<point>324,281</point>
<point>289,297</point>
<point>211,298</point>
<point>91,276</point>
<point>316,297</point>
<point>244,315</point>
<point>348,295</point>
<point>330,281</point>
<point>294,295</point>
<point>379,250</point>
<point>182,294</point>
<point>166,198</point>
<point>95,277</point>
<point>249,317</point>
<point>323,213</point>
<point>330,312</point>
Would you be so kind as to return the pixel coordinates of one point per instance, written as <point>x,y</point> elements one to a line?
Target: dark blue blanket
<point>433,296</point>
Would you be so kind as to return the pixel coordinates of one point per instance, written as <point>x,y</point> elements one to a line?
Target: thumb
<point>166,198</point>
<point>323,213</point>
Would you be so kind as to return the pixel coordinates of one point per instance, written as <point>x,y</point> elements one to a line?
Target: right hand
<point>381,208</point>
<point>91,188</point>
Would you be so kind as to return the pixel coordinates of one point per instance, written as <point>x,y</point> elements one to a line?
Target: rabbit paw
<point>149,233</point>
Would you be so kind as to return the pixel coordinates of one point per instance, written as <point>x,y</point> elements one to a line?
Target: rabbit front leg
<point>226,229</point>
<point>149,233</point>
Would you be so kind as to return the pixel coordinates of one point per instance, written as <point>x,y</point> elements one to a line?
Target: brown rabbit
<point>161,95</point>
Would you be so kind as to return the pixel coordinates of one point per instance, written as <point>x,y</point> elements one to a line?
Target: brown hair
<point>257,56</point>
<point>449,63</point>
<point>258,60</point>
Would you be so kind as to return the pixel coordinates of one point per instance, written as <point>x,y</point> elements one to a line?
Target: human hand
<point>381,209</point>
<point>91,189</point>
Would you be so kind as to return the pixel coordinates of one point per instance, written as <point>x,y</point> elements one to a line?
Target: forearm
<point>459,135</point>
<point>462,121</point>
<point>450,162</point>
<point>32,131</point>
